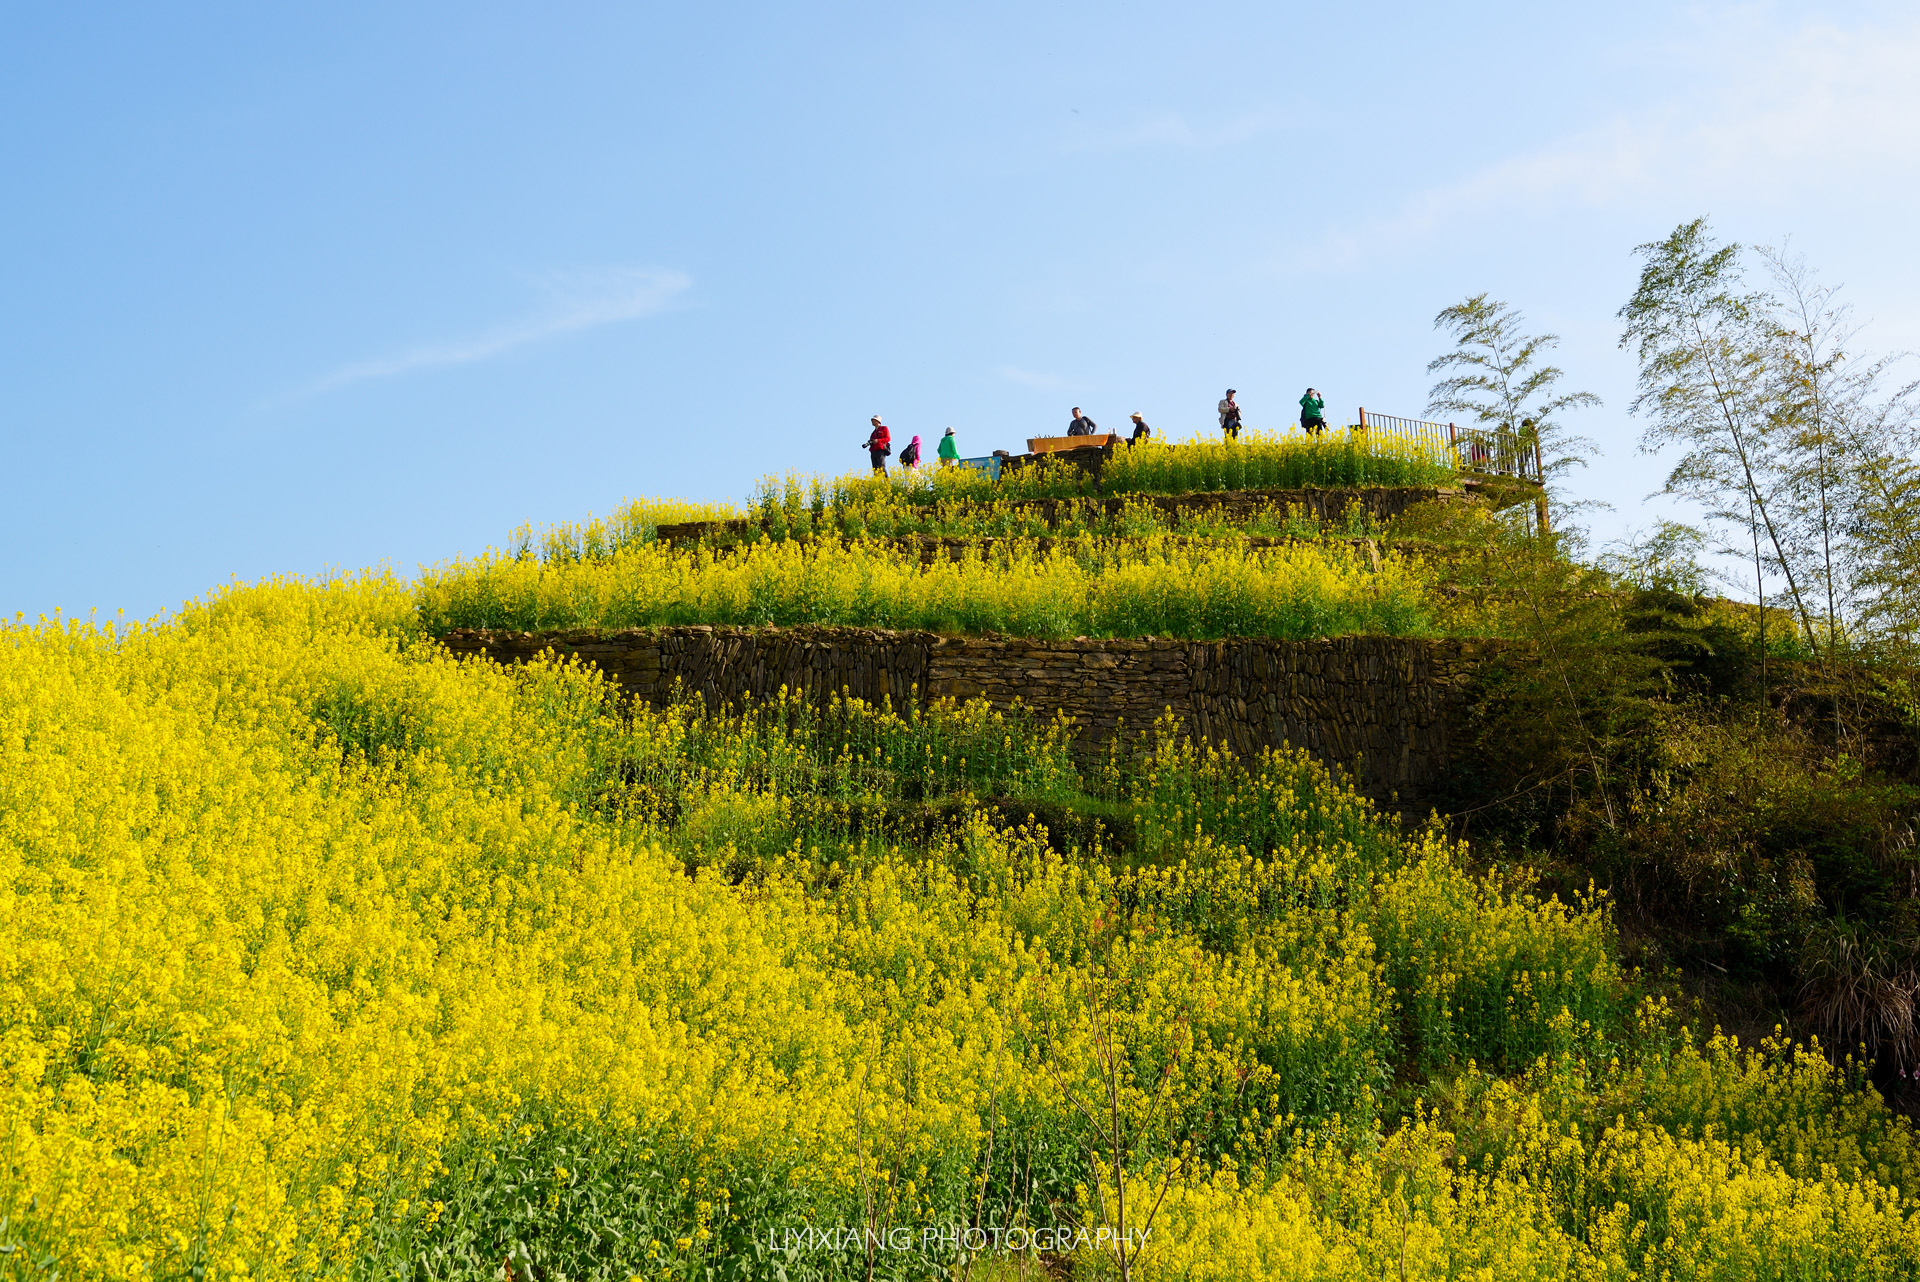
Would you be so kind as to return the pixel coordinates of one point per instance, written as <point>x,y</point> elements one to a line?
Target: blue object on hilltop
<point>990,465</point>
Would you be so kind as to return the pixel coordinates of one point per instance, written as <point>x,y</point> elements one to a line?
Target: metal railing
<point>1497,451</point>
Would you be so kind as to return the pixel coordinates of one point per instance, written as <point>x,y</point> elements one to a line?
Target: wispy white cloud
<point>580,301</point>
<point>1817,107</point>
<point>1042,382</point>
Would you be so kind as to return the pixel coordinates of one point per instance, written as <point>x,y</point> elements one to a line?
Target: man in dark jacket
<point>1140,431</point>
<point>1081,425</point>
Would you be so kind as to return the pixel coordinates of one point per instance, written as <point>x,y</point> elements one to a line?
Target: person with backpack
<point>879,445</point>
<point>910,457</point>
<point>1313,412</point>
<point>1230,417</point>
<point>1081,425</point>
<point>949,452</point>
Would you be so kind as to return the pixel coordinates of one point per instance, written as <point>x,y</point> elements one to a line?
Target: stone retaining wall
<point>1388,708</point>
<point>1380,504</point>
<point>932,548</point>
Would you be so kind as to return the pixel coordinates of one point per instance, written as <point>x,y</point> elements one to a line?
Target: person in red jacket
<point>879,445</point>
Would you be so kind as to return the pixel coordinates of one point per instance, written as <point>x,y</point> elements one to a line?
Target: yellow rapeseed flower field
<point>327,954</point>
<point>1156,585</point>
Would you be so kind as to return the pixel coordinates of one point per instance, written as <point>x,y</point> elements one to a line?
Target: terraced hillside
<point>332,951</point>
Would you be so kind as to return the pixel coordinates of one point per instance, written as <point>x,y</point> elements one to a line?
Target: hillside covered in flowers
<point>327,954</point>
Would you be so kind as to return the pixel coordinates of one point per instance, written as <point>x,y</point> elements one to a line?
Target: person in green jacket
<point>1313,412</point>
<point>949,452</point>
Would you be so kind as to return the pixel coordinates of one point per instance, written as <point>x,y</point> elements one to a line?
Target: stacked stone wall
<point>1380,504</point>
<point>933,548</point>
<point>1387,708</point>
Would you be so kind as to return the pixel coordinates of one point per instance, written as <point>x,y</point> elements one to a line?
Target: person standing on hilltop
<point>910,457</point>
<point>1230,417</point>
<point>1140,431</point>
<point>879,445</point>
<point>1081,425</point>
<point>949,452</point>
<point>1313,412</point>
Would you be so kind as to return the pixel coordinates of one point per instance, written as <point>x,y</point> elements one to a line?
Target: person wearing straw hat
<point>1313,412</point>
<point>949,452</point>
<point>1140,431</point>
<point>1230,416</point>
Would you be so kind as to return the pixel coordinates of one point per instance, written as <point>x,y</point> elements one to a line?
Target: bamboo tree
<point>1810,336</point>
<point>1704,348</point>
<point>1497,377</point>
<point>1882,438</point>
<point>1850,450</point>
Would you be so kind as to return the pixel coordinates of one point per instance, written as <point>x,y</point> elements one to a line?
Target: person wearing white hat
<point>879,445</point>
<point>1140,431</point>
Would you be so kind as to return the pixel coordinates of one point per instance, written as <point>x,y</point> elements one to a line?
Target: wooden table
<point>1055,444</point>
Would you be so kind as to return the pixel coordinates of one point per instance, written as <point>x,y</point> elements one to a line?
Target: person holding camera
<point>879,445</point>
<point>1230,417</point>
<point>1313,412</point>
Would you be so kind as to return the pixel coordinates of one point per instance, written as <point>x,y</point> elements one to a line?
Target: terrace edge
<point>1391,710</point>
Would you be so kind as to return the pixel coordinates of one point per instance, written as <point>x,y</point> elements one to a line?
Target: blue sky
<point>294,287</point>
